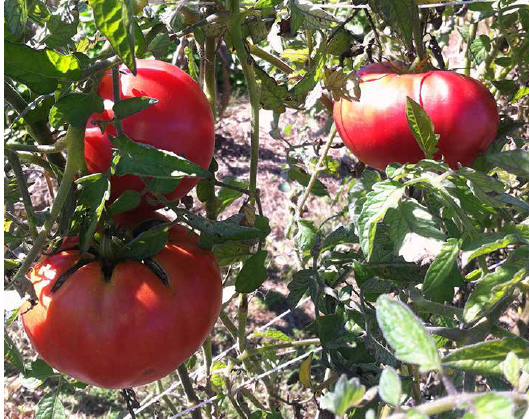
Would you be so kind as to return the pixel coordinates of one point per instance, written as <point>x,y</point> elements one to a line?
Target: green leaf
<point>485,244</point>
<point>304,371</point>
<point>266,4</point>
<point>406,334</point>
<point>159,46</point>
<point>230,252</point>
<point>491,406</point>
<point>421,127</point>
<point>302,177</point>
<point>385,195</point>
<point>306,236</point>
<point>12,354</point>
<point>441,267</point>
<point>497,286</point>
<point>114,18</point>
<point>272,95</point>
<point>390,387</point>
<point>75,109</point>
<point>144,160</point>
<point>480,49</point>
<point>487,357</point>
<point>513,161</point>
<point>193,68</point>
<point>309,16</point>
<point>146,244</point>
<point>39,12</point>
<point>511,369</point>
<point>227,196</point>
<point>95,191</point>
<point>16,15</point>
<point>50,407</point>
<point>252,274</point>
<point>399,14</point>
<point>127,201</point>
<point>520,94</point>
<point>40,70</point>
<point>298,286</point>
<point>62,26</point>
<point>409,223</point>
<point>343,234</point>
<point>346,394</point>
<point>271,334</point>
<point>505,86</point>
<point>128,107</point>
<point>40,370</point>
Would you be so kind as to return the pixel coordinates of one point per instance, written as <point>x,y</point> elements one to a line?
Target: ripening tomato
<point>132,327</point>
<point>376,130</point>
<point>181,122</point>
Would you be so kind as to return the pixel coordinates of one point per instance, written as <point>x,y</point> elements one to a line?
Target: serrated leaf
<point>146,244</point>
<point>127,201</point>
<point>159,46</point>
<point>421,127</point>
<point>272,95</point>
<point>16,15</point>
<point>252,274</point>
<point>309,16</point>
<point>12,354</point>
<point>399,14</point>
<point>298,286</point>
<point>95,191</point>
<point>441,267</point>
<point>343,234</point>
<point>192,65</point>
<point>346,394</point>
<point>480,49</point>
<point>303,178</point>
<point>491,406</point>
<point>497,286</point>
<point>50,407</point>
<point>406,334</point>
<point>75,109</point>
<point>511,369</point>
<point>144,160</point>
<point>62,26</point>
<point>485,244</point>
<point>128,107</point>
<point>39,12</point>
<point>271,334</point>
<point>513,161</point>
<point>40,370</point>
<point>409,224</point>
<point>230,252</point>
<point>40,70</point>
<point>390,387</point>
<point>487,357</point>
<point>306,236</point>
<point>304,372</point>
<point>114,18</point>
<point>385,195</point>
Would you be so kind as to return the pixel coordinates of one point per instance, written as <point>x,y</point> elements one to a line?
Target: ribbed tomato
<point>181,122</point>
<point>131,328</point>
<point>376,130</point>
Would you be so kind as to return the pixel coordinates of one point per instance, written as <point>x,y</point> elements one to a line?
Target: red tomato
<point>132,329</point>
<point>181,122</point>
<point>376,130</point>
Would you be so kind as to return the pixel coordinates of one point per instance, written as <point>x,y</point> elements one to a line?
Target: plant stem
<point>75,162</point>
<point>189,391</point>
<point>272,348</point>
<point>241,317</point>
<point>471,36</point>
<point>417,35</point>
<point>232,329</point>
<point>100,65</point>
<point>116,90</point>
<point>210,80</point>
<point>57,147</point>
<point>24,193</point>
<point>316,172</point>
<point>451,402</point>
<point>272,59</point>
<point>234,25</point>
<point>39,131</point>
<point>166,398</point>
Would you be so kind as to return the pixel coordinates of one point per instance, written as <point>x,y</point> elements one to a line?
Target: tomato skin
<point>181,122</point>
<point>375,129</point>
<point>130,330</point>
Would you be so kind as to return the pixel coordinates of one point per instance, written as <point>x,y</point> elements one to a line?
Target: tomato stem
<point>189,391</point>
<point>210,81</point>
<point>417,35</point>
<point>471,37</point>
<point>75,163</point>
<point>269,58</point>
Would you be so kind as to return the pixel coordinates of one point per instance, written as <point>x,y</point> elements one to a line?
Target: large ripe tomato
<point>132,328</point>
<point>181,122</point>
<point>375,129</point>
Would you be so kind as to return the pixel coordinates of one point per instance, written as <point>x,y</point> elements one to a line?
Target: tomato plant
<point>180,122</point>
<point>376,130</point>
<point>126,327</point>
